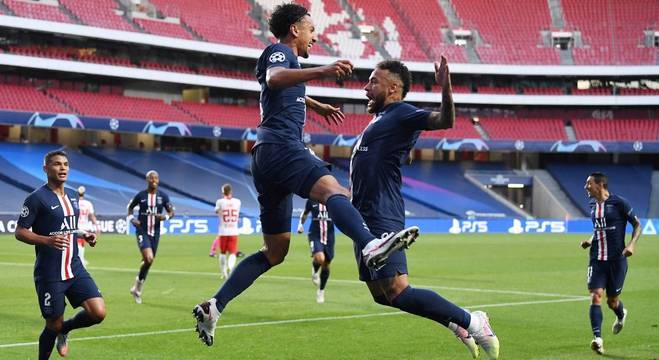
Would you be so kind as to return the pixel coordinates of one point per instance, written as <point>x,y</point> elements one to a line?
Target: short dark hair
<point>600,178</point>
<point>398,68</point>
<point>284,16</point>
<point>51,154</point>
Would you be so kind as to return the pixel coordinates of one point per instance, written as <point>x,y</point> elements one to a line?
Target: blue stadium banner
<point>174,128</point>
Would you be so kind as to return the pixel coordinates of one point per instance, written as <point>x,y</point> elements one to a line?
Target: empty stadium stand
<point>616,129</point>
<point>524,129</point>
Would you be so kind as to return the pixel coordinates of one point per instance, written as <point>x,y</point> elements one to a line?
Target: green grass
<point>537,303</point>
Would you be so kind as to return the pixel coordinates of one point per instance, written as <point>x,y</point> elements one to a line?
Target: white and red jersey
<point>86,209</point>
<point>228,209</point>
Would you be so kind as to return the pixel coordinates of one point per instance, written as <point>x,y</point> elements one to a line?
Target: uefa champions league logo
<point>25,211</point>
<point>114,124</point>
<point>121,226</point>
<point>594,145</point>
<point>638,146</point>
<point>445,144</point>
<point>347,141</point>
<point>73,121</point>
<point>249,134</point>
<point>180,128</point>
<point>217,131</point>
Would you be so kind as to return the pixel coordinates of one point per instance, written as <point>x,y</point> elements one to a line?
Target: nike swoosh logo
<point>54,207</point>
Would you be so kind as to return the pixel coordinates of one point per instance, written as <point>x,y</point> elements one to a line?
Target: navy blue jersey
<point>49,214</point>
<point>149,206</point>
<point>283,110</point>
<point>377,157</point>
<point>322,226</point>
<point>609,223</point>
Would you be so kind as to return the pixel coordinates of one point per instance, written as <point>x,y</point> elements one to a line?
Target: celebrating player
<point>321,241</point>
<point>608,254</point>
<point>283,166</point>
<point>152,202</point>
<point>86,222</point>
<point>375,175</point>
<point>228,210</point>
<point>52,211</point>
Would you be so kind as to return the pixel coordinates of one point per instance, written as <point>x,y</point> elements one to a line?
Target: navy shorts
<point>609,275</point>
<point>147,241</point>
<point>50,294</point>
<point>396,265</point>
<point>279,171</point>
<point>317,246</point>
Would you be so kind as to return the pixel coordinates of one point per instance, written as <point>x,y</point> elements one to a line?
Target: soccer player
<point>608,253</point>
<point>52,211</point>
<point>283,166</point>
<point>228,210</point>
<point>321,241</point>
<point>86,222</point>
<point>152,203</point>
<point>375,175</point>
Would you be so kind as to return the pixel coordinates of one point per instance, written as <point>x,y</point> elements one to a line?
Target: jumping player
<point>152,203</point>
<point>86,222</point>
<point>283,166</point>
<point>608,254</point>
<point>321,242</point>
<point>52,211</point>
<point>228,210</point>
<point>375,175</point>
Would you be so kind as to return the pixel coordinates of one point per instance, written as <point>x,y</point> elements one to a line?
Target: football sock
<point>144,271</point>
<point>215,245</point>
<point>315,266</point>
<point>79,320</point>
<point>324,275</point>
<point>231,262</point>
<point>619,310</point>
<point>46,343</point>
<point>223,262</point>
<point>242,277</point>
<point>430,305</point>
<point>596,320</point>
<point>348,219</point>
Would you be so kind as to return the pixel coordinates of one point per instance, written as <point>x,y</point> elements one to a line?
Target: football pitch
<point>532,286</point>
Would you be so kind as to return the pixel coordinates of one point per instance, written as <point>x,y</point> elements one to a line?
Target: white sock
<point>223,263</point>
<point>475,324</point>
<point>232,262</point>
<point>81,255</point>
<point>138,285</point>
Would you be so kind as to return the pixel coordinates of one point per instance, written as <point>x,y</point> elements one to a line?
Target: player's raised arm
<point>636,233</point>
<point>332,115</point>
<point>445,117</point>
<point>279,77</point>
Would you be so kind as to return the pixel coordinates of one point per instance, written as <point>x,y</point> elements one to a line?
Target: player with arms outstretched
<point>154,207</point>
<point>608,253</point>
<point>283,166</point>
<point>51,212</point>
<point>321,242</point>
<point>376,180</point>
<point>228,210</point>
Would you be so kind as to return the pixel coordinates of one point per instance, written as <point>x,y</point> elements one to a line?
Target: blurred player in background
<point>283,166</point>
<point>321,241</point>
<point>376,180</point>
<point>228,210</point>
<point>86,222</point>
<point>152,203</point>
<point>52,212</point>
<point>608,254</point>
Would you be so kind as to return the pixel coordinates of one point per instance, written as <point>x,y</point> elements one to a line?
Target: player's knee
<point>98,315</point>
<point>55,324</point>
<point>596,298</point>
<point>148,260</point>
<point>275,256</point>
<point>612,302</point>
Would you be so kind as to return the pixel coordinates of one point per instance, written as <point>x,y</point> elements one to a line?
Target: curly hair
<point>284,16</point>
<point>398,68</point>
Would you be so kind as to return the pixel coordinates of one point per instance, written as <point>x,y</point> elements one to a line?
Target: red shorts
<point>228,244</point>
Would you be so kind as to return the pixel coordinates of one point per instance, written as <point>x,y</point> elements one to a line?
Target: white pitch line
<point>297,278</point>
<point>291,321</point>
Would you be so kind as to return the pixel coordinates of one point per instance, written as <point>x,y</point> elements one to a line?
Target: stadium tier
<point>530,129</point>
<point>524,40</point>
<point>633,182</point>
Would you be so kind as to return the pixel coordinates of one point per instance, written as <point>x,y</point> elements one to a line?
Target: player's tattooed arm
<point>636,233</point>
<point>585,244</point>
<point>445,117</point>
<point>59,242</point>
<point>332,115</point>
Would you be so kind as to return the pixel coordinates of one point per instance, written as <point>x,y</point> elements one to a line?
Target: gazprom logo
<point>61,120</point>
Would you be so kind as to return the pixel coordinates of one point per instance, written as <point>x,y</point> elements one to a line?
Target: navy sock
<point>77,321</point>
<point>596,319</point>
<point>348,219</point>
<point>241,278</point>
<point>46,343</point>
<point>316,266</point>
<point>144,271</point>
<point>324,275</point>
<point>619,310</point>
<point>430,305</point>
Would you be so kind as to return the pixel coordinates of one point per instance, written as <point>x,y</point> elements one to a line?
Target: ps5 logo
<point>468,226</point>
<point>533,226</point>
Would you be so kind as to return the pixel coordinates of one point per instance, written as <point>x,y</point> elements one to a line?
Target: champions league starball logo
<point>61,120</point>
<point>217,131</point>
<point>464,144</point>
<point>25,211</point>
<point>114,124</point>
<point>593,145</point>
<point>121,226</point>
